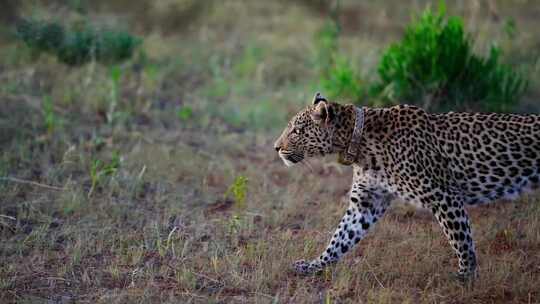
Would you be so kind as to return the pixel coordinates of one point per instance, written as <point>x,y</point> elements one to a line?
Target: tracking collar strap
<point>351,154</point>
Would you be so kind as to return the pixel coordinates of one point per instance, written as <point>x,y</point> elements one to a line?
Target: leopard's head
<point>310,132</point>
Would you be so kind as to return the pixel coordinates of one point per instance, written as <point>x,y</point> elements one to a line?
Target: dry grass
<point>126,204</point>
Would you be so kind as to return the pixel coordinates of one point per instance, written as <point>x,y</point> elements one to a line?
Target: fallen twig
<point>8,217</point>
<point>22,181</point>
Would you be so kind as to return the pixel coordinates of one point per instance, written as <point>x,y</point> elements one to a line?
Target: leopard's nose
<point>277,146</point>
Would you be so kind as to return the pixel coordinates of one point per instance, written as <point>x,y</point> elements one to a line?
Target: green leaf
<point>185,113</point>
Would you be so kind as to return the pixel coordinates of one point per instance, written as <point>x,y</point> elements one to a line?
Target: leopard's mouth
<point>290,158</point>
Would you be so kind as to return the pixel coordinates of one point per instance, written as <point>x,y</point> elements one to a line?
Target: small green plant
<point>434,66</point>
<point>51,121</point>
<point>185,113</point>
<point>238,190</point>
<point>115,74</point>
<point>100,169</point>
<point>79,45</point>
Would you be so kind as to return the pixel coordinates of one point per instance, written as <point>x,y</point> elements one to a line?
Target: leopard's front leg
<point>367,205</point>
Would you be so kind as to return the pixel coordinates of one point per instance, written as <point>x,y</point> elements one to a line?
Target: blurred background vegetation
<point>127,125</point>
<point>189,56</point>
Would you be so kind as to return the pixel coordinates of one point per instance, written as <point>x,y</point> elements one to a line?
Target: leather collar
<point>350,155</point>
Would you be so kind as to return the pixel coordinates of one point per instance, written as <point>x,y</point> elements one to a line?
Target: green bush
<point>78,46</point>
<point>434,66</point>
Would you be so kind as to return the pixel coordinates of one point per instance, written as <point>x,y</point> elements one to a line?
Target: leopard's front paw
<point>305,268</point>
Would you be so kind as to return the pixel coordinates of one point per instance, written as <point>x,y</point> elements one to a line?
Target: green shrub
<point>434,66</point>
<point>78,46</point>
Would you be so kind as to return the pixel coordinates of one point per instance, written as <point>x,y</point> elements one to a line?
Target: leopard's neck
<point>372,124</point>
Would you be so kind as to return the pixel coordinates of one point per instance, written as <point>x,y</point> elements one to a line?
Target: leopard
<point>443,162</point>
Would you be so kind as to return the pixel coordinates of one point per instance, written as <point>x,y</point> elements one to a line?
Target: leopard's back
<point>489,156</point>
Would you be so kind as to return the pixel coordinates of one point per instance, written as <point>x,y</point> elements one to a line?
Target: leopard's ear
<point>323,113</point>
<point>318,98</point>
